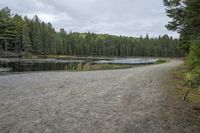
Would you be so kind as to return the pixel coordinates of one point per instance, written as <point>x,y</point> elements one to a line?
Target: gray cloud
<point>126,17</point>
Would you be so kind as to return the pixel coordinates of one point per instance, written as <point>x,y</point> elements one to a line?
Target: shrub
<point>193,61</point>
<point>193,78</point>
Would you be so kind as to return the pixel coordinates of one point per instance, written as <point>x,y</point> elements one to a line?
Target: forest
<point>22,35</point>
<point>185,19</point>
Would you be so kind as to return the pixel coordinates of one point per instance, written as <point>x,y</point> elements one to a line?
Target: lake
<point>27,65</point>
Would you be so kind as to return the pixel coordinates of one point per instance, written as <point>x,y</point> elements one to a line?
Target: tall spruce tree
<point>7,33</point>
<point>185,16</point>
<point>26,40</point>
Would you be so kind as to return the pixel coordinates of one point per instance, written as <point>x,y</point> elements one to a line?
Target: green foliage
<point>193,77</point>
<point>181,88</point>
<point>185,16</point>
<point>8,32</point>
<point>39,38</point>
<point>26,40</point>
<point>193,59</point>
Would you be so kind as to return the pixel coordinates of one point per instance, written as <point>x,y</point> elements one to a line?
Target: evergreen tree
<point>7,32</point>
<point>26,41</point>
<point>185,19</point>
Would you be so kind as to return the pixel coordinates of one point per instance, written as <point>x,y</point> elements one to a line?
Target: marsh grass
<point>91,66</point>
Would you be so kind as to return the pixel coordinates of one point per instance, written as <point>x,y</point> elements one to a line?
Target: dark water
<point>25,65</point>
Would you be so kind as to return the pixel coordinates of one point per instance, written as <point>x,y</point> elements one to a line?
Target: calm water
<point>25,65</point>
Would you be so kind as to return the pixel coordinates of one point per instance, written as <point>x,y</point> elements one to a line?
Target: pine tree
<point>26,41</point>
<point>7,33</point>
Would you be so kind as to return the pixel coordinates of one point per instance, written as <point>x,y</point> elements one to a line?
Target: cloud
<point>126,17</point>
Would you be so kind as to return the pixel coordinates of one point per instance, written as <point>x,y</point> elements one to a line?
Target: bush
<point>193,77</point>
<point>193,61</point>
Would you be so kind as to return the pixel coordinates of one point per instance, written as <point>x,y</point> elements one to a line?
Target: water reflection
<point>24,65</point>
<point>128,61</point>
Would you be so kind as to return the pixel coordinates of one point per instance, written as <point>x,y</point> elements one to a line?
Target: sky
<point>117,17</point>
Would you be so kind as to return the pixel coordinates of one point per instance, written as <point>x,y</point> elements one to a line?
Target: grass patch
<point>29,56</point>
<point>194,96</point>
<point>193,77</point>
<point>160,61</point>
<point>181,77</point>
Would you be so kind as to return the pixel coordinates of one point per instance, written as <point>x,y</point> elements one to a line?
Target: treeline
<point>36,37</point>
<point>185,16</point>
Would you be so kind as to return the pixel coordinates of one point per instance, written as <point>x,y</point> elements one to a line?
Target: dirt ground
<point>135,100</point>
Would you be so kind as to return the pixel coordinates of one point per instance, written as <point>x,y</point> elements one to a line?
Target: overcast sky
<point>119,17</point>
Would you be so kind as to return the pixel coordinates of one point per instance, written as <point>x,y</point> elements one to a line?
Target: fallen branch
<point>186,94</point>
